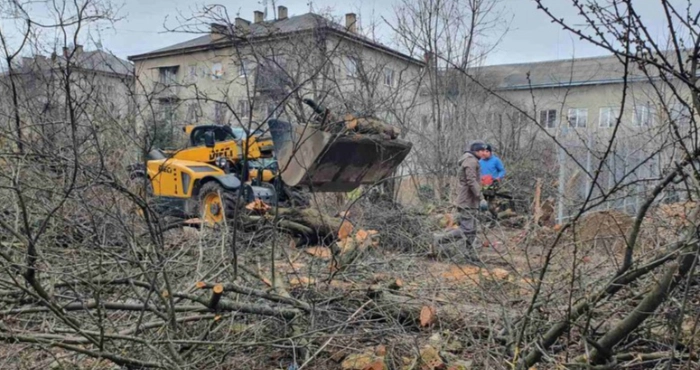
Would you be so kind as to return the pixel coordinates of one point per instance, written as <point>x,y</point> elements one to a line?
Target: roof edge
<point>227,43</point>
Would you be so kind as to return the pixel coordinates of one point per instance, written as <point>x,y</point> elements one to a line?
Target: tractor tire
<point>216,204</point>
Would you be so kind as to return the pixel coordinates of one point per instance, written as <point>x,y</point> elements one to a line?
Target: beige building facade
<point>242,73</point>
<point>578,103</point>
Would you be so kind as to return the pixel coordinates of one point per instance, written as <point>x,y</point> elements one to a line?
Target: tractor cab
<point>220,134</point>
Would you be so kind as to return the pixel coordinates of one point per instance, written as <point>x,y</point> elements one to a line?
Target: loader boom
<point>309,155</point>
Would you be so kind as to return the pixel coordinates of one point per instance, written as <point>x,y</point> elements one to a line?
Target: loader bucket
<point>333,163</point>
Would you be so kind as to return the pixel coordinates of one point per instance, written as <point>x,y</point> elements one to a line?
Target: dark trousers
<point>466,230</point>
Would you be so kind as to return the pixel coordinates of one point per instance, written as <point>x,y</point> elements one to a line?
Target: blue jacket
<point>492,166</point>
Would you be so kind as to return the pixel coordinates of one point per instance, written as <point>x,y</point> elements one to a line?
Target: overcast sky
<point>531,36</point>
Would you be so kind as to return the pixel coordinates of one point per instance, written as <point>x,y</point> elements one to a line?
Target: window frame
<point>194,112</point>
<point>354,62</point>
<point>243,107</point>
<point>612,114</point>
<point>649,121</point>
<point>214,75</point>
<point>243,68</point>
<point>577,111</point>
<point>220,113</point>
<point>390,78</point>
<point>166,78</point>
<point>192,71</point>
<point>546,117</point>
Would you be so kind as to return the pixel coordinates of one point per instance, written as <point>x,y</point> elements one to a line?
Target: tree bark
<point>646,308</point>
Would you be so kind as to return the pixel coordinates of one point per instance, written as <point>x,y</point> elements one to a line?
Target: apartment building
<point>243,72</point>
<point>35,95</point>
<point>98,79</point>
<point>578,103</point>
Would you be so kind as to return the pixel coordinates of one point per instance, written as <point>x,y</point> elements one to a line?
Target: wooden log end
<point>201,285</point>
<point>427,316</point>
<point>218,289</point>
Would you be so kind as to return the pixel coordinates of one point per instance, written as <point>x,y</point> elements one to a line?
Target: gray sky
<point>531,37</point>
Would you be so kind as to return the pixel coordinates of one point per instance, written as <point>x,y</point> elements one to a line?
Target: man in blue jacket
<point>492,173</point>
<point>491,165</point>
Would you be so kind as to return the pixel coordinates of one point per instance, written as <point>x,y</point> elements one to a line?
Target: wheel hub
<point>214,209</point>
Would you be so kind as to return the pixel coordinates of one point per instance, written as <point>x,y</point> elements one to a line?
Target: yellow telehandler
<point>207,178</point>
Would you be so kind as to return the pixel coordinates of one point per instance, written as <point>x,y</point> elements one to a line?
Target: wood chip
<point>427,316</point>
<point>499,273</point>
<point>361,235</point>
<point>320,252</point>
<point>345,230</point>
<point>201,284</point>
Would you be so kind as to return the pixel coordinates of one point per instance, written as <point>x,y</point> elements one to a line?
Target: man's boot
<point>470,252</point>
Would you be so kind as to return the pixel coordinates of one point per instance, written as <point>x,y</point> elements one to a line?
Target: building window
<point>643,116</point>
<point>243,108</point>
<point>219,113</point>
<point>351,66</point>
<point>192,71</point>
<point>217,71</point>
<point>167,75</point>
<point>168,111</point>
<point>519,118</point>
<point>548,118</point>
<point>578,117</point>
<point>388,77</point>
<point>194,113</point>
<point>608,116</point>
<point>243,69</point>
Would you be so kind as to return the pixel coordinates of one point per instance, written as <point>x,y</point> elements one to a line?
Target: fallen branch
<point>255,309</point>
<point>230,287</point>
<point>646,308</point>
<point>117,359</point>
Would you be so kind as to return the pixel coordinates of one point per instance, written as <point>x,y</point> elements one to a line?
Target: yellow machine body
<point>225,147</point>
<point>176,177</point>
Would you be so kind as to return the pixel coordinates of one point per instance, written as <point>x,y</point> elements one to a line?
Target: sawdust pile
<point>604,229</point>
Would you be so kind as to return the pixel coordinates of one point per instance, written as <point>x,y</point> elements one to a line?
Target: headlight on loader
<point>221,162</point>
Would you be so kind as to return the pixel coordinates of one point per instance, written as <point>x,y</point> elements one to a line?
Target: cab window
<point>220,134</point>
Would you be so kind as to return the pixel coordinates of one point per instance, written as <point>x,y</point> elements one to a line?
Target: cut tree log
<point>216,292</point>
<point>312,225</point>
<point>370,125</point>
<point>537,208</point>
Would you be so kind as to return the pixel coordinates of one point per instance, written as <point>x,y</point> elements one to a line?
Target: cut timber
<point>217,291</point>
<point>537,207</point>
<point>396,284</point>
<point>312,225</point>
<point>319,252</point>
<point>370,125</point>
<point>427,316</point>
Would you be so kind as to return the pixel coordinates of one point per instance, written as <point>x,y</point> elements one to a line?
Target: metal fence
<point>621,180</point>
